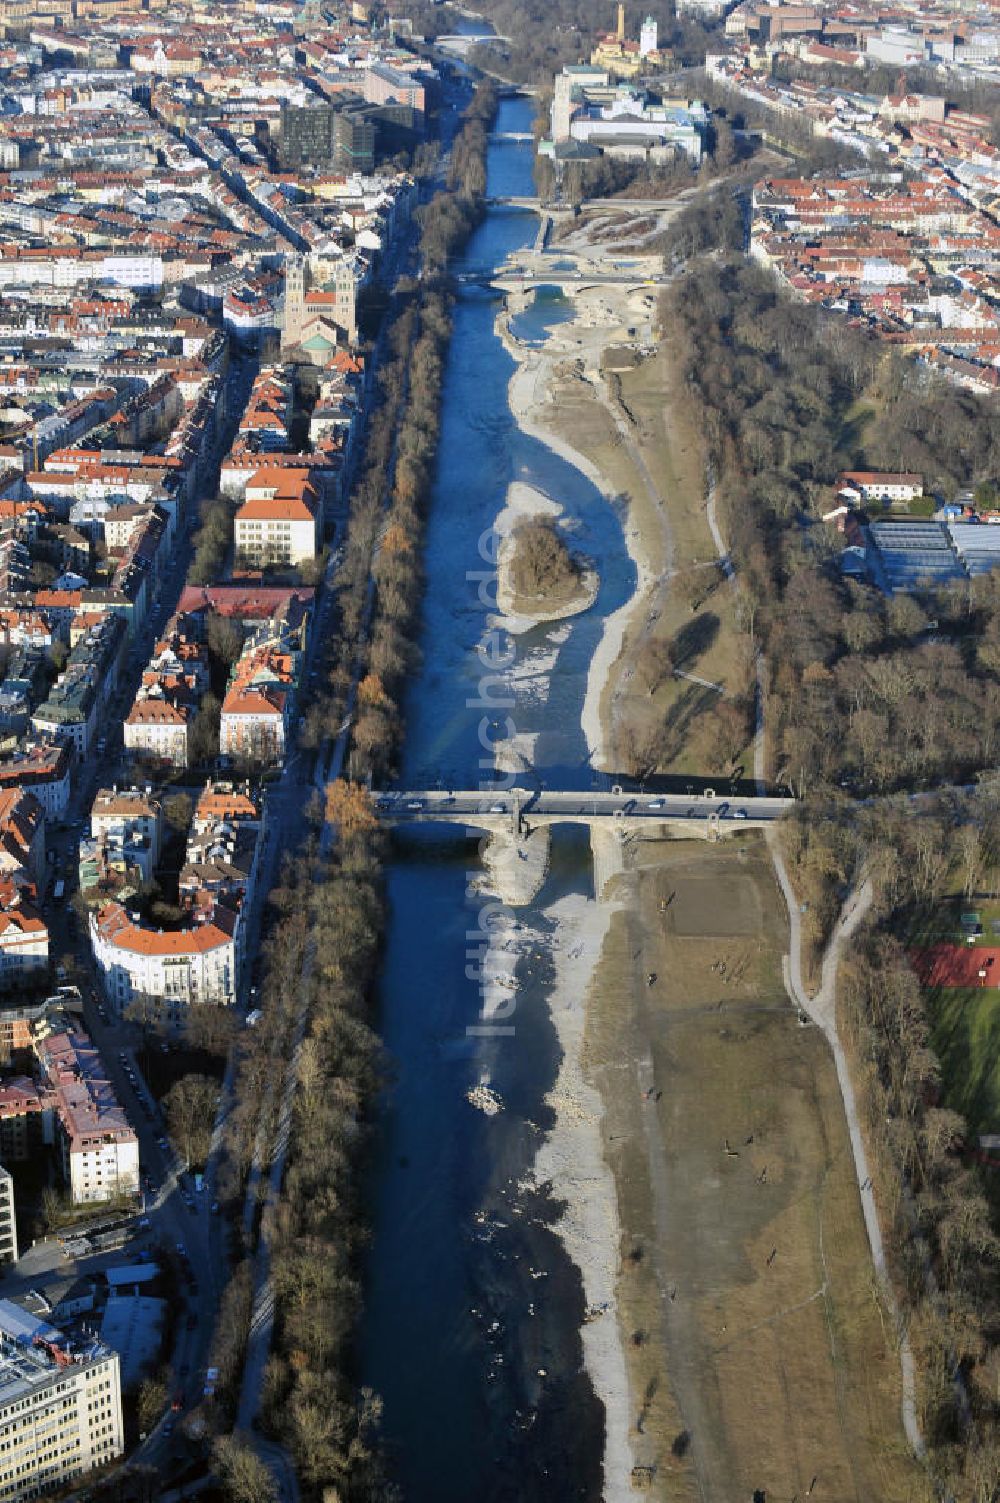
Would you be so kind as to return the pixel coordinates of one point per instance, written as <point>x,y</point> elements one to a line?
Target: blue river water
<point>472,1309</point>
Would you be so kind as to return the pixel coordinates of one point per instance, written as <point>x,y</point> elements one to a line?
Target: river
<point>473,1309</point>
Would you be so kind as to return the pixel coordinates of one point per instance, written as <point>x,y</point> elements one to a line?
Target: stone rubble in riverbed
<point>572,1158</point>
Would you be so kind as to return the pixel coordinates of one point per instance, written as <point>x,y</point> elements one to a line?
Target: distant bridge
<point>522,810</point>
<point>524,281</point>
<point>569,281</point>
<point>623,205</point>
<point>506,202</point>
<point>453,45</point>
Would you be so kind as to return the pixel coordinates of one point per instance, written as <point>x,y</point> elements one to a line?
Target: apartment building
<point>8,1220</point>
<point>76,699</point>
<point>253,726</point>
<point>22,835</point>
<point>223,848</point>
<point>199,964</point>
<point>159,727</point>
<point>18,1019</point>
<point>26,1122</point>
<point>60,1409</point>
<point>278,521</point>
<point>159,723</point>
<point>98,1149</point>
<point>24,939</point>
<point>44,768</point>
<point>178,968</point>
<point>70,712</point>
<point>24,936</point>
<point>132,817</point>
<point>122,851</point>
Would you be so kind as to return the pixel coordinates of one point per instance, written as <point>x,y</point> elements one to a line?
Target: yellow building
<point>625,58</point>
<point>15,15</point>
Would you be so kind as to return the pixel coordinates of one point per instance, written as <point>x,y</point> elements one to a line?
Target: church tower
<point>295,300</point>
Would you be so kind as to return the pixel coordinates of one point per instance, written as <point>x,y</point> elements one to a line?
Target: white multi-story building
<point>24,941</point>
<point>132,816</point>
<point>875,485</point>
<point>177,968</point>
<point>156,727</point>
<point>60,1411</point>
<point>253,726</point>
<point>200,964</point>
<point>277,522</point>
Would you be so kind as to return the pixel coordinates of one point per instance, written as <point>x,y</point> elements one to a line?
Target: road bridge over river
<point>568,281</point>
<point>622,205</point>
<point>536,268</point>
<point>522,810</point>
<point>518,203</point>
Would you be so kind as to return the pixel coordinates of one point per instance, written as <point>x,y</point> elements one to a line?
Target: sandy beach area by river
<point>572,1158</point>
<point>597,322</point>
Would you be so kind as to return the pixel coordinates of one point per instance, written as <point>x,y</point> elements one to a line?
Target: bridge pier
<point>516,860</point>
<point>608,843</point>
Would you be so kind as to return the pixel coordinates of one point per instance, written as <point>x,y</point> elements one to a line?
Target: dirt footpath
<point>758,1358</point>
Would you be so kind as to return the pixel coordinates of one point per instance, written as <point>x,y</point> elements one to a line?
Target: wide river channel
<point>473,1309</point>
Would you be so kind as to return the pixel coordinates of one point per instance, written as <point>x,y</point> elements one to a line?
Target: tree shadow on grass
<point>966,1035</point>
<point>685,710</point>
<point>695,638</point>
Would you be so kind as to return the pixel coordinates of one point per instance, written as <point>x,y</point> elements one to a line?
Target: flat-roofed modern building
<point>60,1410</point>
<point>385,85</point>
